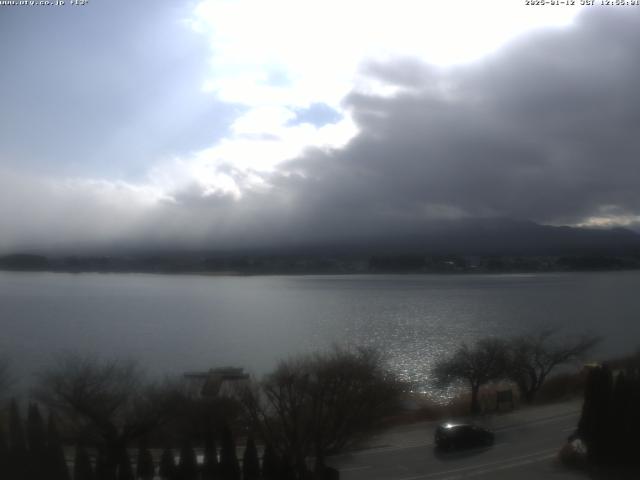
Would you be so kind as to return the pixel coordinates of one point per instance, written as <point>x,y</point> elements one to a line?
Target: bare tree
<point>477,365</point>
<point>533,357</point>
<point>105,399</point>
<point>320,404</point>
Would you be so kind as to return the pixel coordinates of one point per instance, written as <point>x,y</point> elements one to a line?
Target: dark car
<point>462,435</point>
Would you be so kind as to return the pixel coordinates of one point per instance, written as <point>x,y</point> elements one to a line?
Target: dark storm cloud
<point>104,89</point>
<point>545,129</point>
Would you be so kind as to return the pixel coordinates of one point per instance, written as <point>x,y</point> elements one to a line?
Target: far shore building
<point>216,382</point>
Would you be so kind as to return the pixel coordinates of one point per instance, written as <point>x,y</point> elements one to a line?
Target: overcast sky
<point>214,123</point>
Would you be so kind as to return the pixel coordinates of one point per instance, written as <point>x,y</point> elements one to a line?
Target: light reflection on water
<point>178,323</point>
<point>417,320</point>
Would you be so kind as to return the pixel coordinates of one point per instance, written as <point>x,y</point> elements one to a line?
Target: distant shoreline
<point>255,264</point>
<point>313,273</point>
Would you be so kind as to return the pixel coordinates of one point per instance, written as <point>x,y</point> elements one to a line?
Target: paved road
<point>526,447</point>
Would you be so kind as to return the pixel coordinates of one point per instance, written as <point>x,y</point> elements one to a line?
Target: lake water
<point>177,323</point>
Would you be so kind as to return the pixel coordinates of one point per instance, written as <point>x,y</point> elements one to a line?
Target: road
<point>526,447</point>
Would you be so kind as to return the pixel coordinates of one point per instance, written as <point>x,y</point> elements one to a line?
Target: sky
<point>243,123</point>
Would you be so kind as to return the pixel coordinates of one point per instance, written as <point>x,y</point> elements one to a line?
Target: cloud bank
<point>543,129</point>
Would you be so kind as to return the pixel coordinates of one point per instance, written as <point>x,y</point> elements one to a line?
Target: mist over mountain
<point>475,236</point>
<point>514,237</point>
<point>460,245</point>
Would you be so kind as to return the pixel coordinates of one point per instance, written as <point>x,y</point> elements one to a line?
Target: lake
<point>175,323</point>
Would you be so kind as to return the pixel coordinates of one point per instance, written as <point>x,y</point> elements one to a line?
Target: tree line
<point>34,451</point>
<point>525,360</point>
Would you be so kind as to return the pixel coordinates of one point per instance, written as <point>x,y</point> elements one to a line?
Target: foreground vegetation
<point>610,419</point>
<point>309,407</point>
<point>116,424</point>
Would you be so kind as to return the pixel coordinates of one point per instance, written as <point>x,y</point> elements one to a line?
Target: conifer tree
<point>593,426</point>
<point>167,467</point>
<point>36,432</point>
<point>601,446</point>
<point>286,469</point>
<point>4,455</point>
<point>619,419</point>
<point>585,424</point>
<point>188,466</point>
<point>270,464</point>
<point>250,461</point>
<point>144,469</point>
<point>82,469</point>
<point>229,466</point>
<point>634,415</point>
<point>210,465</point>
<point>125,472</point>
<point>37,441</point>
<point>18,453</point>
<point>57,464</point>
<point>104,468</point>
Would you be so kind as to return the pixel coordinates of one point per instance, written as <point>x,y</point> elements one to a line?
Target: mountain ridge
<point>500,244</point>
